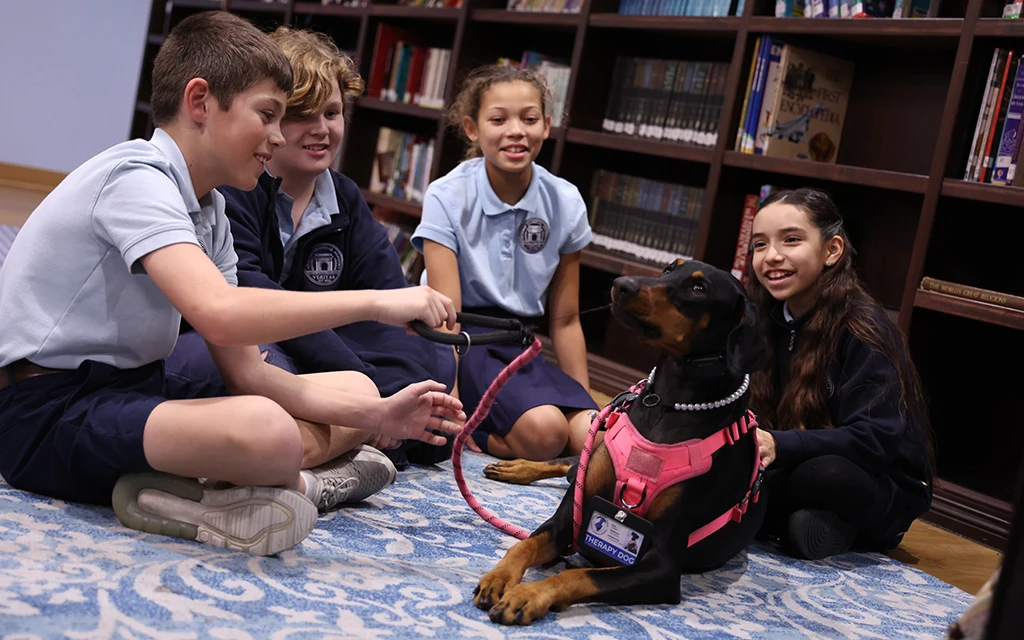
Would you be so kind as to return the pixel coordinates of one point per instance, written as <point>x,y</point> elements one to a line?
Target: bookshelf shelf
<point>315,8</point>
<point>1000,27</point>
<point>677,151</point>
<point>996,194</point>
<point>617,265</point>
<point>422,13</point>
<point>722,25</point>
<point>878,178</point>
<point>407,207</point>
<point>535,18</point>
<point>258,6</point>
<point>403,108</point>
<point>972,309</point>
<point>880,27</point>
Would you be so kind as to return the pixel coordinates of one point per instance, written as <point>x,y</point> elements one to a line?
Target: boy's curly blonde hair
<point>316,62</point>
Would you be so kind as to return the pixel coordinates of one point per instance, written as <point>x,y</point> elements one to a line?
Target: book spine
<point>739,261</point>
<point>973,293</point>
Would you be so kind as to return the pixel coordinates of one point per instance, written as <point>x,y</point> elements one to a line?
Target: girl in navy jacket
<point>844,431</point>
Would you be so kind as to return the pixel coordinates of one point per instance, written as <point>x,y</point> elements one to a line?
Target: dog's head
<point>693,309</point>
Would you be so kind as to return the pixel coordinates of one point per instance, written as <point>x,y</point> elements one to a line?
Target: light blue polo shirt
<point>72,287</point>
<point>507,253</point>
<point>321,207</point>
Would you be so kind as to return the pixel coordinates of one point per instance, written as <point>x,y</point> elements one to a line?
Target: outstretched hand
<point>409,413</point>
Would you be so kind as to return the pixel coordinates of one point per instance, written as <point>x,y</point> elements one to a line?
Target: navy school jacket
<point>864,407</point>
<point>356,244</point>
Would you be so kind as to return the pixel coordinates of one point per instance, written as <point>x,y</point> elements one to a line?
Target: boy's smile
<point>244,137</point>
<point>312,142</point>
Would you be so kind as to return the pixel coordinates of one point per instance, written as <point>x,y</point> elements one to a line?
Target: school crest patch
<point>533,235</point>
<point>323,267</point>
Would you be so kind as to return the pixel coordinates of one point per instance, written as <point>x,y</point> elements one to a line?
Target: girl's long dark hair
<point>841,301</point>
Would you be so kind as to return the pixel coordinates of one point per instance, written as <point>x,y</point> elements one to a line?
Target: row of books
<point>401,71</point>
<point>995,147</point>
<point>795,102</point>
<point>555,73</point>
<point>646,219</point>
<point>715,8</point>
<point>401,164</point>
<point>857,8</point>
<point>674,100</point>
<point>545,6</point>
<point>401,240</point>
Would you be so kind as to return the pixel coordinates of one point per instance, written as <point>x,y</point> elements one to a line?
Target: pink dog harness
<point>643,469</point>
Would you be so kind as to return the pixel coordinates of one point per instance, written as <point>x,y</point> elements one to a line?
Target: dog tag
<point>613,536</point>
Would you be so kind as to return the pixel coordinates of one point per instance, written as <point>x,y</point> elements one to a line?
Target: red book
<point>740,262</point>
<point>387,37</point>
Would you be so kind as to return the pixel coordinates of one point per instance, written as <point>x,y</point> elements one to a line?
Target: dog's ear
<point>746,347</point>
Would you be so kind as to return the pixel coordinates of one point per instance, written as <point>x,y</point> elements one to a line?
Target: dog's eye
<point>698,287</point>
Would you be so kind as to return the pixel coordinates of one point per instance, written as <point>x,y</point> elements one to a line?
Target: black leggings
<point>833,483</point>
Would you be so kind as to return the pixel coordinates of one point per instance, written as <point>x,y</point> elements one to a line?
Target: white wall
<point>69,70</point>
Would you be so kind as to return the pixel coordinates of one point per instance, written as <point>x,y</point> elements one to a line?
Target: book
<point>810,106</point>
<point>973,293</point>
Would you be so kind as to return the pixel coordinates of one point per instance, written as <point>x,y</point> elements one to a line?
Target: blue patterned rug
<point>404,564</point>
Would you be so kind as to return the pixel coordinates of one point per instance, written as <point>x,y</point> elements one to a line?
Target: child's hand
<point>399,307</point>
<point>418,407</point>
<point>766,447</point>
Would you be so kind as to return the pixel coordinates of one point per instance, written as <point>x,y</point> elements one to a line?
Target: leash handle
<point>510,330</point>
<point>478,415</point>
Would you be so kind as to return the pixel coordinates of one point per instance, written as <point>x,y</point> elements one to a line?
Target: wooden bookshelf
<point>973,309</point>
<point>413,110</point>
<point>917,89</point>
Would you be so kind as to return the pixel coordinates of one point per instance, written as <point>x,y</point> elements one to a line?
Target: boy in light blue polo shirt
<point>502,236</point>
<point>96,285</point>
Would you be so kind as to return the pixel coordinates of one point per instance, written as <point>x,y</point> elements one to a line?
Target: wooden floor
<point>943,554</point>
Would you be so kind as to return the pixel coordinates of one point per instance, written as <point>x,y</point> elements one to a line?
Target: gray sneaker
<point>259,520</point>
<point>351,477</point>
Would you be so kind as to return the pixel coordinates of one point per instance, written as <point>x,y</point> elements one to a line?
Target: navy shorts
<point>71,435</point>
<point>536,384</point>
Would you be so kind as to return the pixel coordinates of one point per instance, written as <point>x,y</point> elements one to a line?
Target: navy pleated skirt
<point>536,384</point>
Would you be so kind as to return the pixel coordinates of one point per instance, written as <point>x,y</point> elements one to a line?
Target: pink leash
<point>481,412</point>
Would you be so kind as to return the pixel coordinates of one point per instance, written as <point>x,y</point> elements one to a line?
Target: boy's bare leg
<point>250,441</point>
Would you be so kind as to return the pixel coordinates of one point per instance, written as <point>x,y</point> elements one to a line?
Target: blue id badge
<point>612,536</point>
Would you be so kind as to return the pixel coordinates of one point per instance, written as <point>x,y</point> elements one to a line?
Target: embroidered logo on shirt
<point>323,268</point>
<point>533,235</point>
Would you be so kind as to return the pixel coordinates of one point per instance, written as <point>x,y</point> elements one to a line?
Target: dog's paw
<point>522,604</point>
<point>512,471</point>
<point>491,588</point>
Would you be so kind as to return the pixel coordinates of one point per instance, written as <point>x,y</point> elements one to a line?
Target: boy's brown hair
<point>227,51</point>
<point>316,62</point>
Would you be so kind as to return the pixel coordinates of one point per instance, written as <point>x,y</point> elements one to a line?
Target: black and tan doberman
<point>710,338</point>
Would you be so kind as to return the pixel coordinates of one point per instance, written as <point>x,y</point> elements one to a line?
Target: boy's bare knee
<point>363,384</point>
<point>541,433</point>
<point>270,441</point>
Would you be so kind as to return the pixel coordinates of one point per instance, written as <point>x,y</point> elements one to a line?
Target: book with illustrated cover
<point>810,106</point>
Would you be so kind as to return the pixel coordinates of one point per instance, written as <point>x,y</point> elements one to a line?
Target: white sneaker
<point>259,520</point>
<point>351,477</point>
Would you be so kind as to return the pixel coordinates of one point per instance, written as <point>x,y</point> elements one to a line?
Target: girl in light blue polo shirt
<point>502,236</point>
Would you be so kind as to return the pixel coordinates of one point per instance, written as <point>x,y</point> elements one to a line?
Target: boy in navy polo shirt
<point>95,287</point>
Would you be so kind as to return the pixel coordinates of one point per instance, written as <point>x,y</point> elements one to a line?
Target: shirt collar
<point>492,205</point>
<point>324,200</point>
<point>167,146</point>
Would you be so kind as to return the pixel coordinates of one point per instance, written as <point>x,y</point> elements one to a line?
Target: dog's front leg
<point>537,549</point>
<point>653,579</point>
